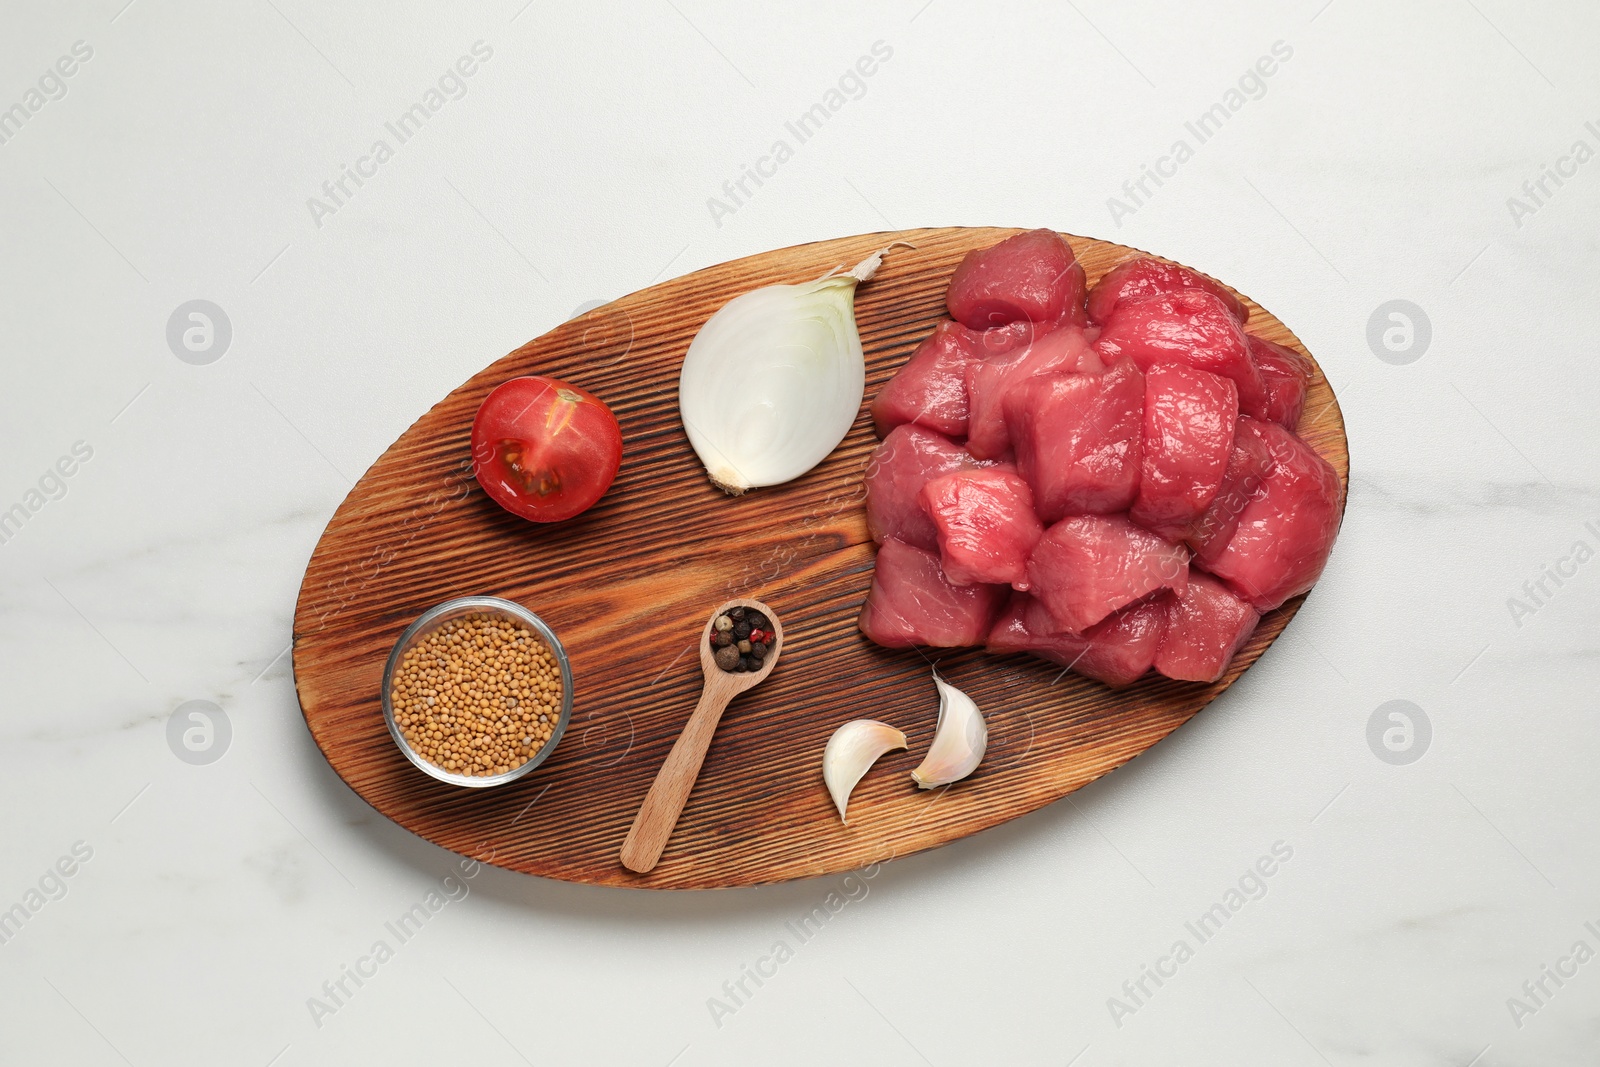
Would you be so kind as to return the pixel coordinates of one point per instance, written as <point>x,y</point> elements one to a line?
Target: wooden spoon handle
<point>670,791</point>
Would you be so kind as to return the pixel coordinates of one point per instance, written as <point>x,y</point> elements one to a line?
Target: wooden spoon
<point>668,793</point>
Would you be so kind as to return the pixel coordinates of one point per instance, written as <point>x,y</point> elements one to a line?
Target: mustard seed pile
<point>478,696</point>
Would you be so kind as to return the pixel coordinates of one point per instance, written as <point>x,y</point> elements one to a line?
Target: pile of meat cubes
<point>1109,479</point>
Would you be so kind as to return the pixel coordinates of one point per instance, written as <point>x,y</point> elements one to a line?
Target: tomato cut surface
<point>543,449</point>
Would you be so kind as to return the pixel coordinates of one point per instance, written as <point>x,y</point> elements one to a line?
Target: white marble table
<point>170,911</point>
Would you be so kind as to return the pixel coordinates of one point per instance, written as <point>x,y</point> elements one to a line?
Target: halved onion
<point>774,380</point>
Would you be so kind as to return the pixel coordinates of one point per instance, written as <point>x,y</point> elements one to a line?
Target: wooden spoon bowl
<point>741,680</point>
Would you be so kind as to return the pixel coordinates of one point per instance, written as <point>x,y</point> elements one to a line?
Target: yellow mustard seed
<point>466,695</point>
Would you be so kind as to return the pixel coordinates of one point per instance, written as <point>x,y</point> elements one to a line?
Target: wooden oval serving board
<point>627,586</point>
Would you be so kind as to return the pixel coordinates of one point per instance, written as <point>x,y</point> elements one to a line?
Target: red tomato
<point>543,449</point>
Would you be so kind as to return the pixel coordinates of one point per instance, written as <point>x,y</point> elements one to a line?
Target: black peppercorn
<point>759,621</point>
<point>741,629</point>
<point>736,614</point>
<point>757,649</point>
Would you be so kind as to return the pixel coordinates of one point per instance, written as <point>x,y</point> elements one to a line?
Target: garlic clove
<point>851,752</point>
<point>959,739</point>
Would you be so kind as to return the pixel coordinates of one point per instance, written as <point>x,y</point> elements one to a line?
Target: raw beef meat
<point>1123,647</point>
<point>896,473</point>
<point>1077,438</point>
<point>1285,373</point>
<point>1097,458</point>
<point>985,523</point>
<point>1010,632</point>
<point>1144,276</point>
<point>1205,627</point>
<point>1088,566</point>
<point>1192,327</point>
<point>912,603</point>
<point>1033,276</point>
<point>1248,466</point>
<point>1117,651</point>
<point>988,382</point>
<point>931,389</point>
<point>1188,436</point>
<point>1283,535</point>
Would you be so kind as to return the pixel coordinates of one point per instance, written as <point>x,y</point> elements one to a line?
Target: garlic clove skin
<point>851,752</point>
<point>959,740</point>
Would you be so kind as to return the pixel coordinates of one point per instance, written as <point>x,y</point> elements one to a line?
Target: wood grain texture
<point>628,584</point>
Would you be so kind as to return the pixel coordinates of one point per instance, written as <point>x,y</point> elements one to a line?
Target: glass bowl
<point>431,620</point>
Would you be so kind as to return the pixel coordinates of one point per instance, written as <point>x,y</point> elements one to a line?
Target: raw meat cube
<point>896,473</point>
<point>1206,626</point>
<point>989,380</point>
<point>931,389</point>
<point>1038,620</point>
<point>998,340</point>
<point>1088,566</point>
<point>1245,479</point>
<point>1284,534</point>
<point>1144,276</point>
<point>912,603</point>
<point>985,523</point>
<point>1192,327</point>
<point>1025,626</point>
<point>1010,632</point>
<point>1117,651</point>
<point>1285,373</point>
<point>1077,439</point>
<point>1033,276</point>
<point>1189,417</point>
<point>1124,646</point>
